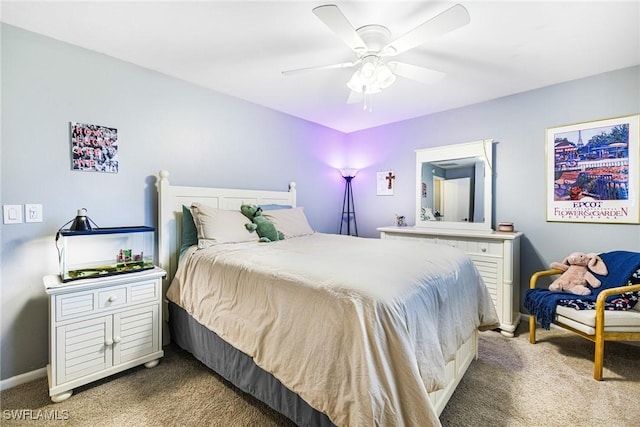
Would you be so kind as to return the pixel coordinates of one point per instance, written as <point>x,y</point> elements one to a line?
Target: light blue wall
<point>206,138</point>
<point>518,123</point>
<point>202,137</point>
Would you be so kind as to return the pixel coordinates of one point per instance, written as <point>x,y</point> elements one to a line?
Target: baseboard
<point>23,378</point>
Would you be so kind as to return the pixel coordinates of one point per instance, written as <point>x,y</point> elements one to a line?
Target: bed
<point>326,329</point>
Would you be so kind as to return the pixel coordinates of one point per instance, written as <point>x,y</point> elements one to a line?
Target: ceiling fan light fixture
<point>372,76</point>
<point>385,77</point>
<point>369,68</point>
<point>355,84</point>
<point>360,85</point>
<point>368,72</point>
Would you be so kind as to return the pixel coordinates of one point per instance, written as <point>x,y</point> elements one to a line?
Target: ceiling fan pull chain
<point>364,97</point>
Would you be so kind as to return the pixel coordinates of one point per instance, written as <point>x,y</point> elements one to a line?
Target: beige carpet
<point>512,383</point>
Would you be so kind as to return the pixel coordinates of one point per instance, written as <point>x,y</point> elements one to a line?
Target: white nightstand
<point>101,326</point>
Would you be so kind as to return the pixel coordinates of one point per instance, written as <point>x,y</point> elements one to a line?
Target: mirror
<point>454,186</point>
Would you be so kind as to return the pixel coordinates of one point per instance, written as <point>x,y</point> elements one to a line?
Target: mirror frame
<point>483,150</point>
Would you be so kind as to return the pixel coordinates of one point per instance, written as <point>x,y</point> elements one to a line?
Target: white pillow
<point>291,222</point>
<point>216,226</point>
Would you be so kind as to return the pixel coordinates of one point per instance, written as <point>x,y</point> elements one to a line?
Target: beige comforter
<point>361,329</point>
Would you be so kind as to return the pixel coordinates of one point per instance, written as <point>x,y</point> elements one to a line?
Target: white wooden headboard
<point>171,198</point>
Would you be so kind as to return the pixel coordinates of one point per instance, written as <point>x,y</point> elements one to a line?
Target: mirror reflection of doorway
<point>455,199</point>
<point>438,190</point>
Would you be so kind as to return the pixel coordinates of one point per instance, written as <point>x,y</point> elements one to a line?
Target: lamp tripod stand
<point>348,209</point>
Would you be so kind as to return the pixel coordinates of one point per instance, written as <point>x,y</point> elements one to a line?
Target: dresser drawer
<point>411,237</point>
<point>474,246</point>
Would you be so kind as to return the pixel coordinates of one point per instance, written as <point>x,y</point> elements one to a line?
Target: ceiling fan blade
<point>449,20</point>
<point>354,97</point>
<point>413,72</point>
<point>321,67</point>
<point>338,23</point>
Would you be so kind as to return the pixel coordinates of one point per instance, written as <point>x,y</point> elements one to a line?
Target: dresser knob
<point>117,339</point>
<point>112,298</point>
<point>484,249</point>
<point>108,343</point>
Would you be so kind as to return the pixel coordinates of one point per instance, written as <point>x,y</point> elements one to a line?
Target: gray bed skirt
<point>239,369</point>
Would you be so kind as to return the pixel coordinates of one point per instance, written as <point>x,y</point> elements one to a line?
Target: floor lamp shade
<point>348,173</point>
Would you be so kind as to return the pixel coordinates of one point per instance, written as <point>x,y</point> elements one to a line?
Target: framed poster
<point>592,171</point>
<point>94,148</point>
<point>384,183</point>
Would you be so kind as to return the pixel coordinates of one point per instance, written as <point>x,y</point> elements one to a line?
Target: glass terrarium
<point>105,251</point>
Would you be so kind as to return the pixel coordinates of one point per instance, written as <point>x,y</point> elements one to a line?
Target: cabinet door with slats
<point>83,348</point>
<point>135,333</point>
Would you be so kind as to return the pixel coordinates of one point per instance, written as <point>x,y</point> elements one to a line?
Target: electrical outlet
<point>33,213</point>
<point>12,214</point>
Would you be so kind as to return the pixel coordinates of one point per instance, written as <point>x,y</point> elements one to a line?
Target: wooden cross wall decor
<point>384,182</point>
<point>390,176</point>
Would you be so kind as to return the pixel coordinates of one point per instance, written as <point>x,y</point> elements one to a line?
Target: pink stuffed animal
<point>576,274</point>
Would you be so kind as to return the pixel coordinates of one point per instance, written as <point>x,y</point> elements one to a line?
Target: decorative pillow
<point>189,232</point>
<point>291,222</point>
<point>215,226</point>
<point>273,207</point>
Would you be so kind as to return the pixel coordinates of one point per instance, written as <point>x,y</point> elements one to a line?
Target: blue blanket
<point>621,265</point>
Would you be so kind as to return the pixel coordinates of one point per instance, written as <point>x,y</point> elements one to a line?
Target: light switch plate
<point>12,214</point>
<point>32,213</point>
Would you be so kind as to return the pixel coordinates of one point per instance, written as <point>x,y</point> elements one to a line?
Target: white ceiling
<point>240,48</point>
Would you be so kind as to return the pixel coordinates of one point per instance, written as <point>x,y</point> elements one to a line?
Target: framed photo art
<point>592,171</point>
<point>94,148</point>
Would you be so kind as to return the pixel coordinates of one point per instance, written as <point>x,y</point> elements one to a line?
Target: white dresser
<point>98,327</point>
<point>495,254</point>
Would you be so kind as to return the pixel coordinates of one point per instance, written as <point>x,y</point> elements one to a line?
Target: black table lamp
<point>81,221</point>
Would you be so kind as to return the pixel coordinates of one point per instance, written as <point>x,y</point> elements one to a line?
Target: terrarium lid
<point>109,230</point>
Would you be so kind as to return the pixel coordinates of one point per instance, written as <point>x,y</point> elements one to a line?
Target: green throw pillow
<point>189,232</point>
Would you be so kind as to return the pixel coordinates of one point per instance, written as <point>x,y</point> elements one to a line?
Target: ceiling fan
<point>372,46</point>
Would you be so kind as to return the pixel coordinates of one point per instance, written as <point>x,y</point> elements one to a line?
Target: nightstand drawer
<point>77,304</point>
<point>112,297</point>
<point>74,305</point>
<point>84,303</point>
<point>144,291</point>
